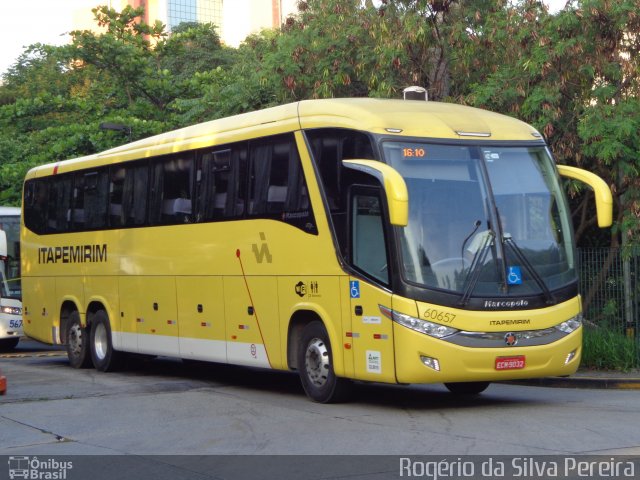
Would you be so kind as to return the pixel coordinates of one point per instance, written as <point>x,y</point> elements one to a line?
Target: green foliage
<point>573,75</point>
<point>607,349</point>
<point>193,48</point>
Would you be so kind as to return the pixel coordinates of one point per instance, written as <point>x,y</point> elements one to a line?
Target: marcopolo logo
<point>38,469</point>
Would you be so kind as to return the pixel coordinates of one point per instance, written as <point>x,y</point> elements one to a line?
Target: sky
<point>24,22</point>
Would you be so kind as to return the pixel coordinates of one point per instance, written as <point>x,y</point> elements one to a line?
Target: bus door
<point>372,332</point>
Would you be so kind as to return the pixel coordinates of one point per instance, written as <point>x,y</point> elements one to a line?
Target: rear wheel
<point>77,342</point>
<point>467,388</point>
<point>7,344</point>
<point>315,366</point>
<point>104,357</point>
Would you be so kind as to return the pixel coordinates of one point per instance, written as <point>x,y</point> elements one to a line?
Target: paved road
<point>166,407</point>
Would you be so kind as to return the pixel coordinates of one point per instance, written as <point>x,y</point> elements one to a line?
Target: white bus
<point>10,291</point>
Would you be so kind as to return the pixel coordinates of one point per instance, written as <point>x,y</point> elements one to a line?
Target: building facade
<point>235,19</point>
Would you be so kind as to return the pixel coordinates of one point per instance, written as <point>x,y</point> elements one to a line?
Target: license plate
<point>510,363</point>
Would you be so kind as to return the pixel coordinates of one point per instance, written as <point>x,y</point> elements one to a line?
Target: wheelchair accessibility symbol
<point>514,276</point>
<point>354,287</point>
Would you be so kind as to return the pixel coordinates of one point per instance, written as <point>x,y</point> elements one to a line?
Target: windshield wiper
<point>474,270</point>
<point>507,239</point>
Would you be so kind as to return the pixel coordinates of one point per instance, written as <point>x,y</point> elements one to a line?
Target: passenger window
<point>268,178</point>
<point>134,194</point>
<point>209,164</point>
<point>171,190</point>
<point>60,191</point>
<point>369,253</point>
<point>35,212</point>
<point>116,190</point>
<point>329,146</point>
<point>96,191</point>
<point>76,212</point>
<point>277,187</point>
<point>221,183</point>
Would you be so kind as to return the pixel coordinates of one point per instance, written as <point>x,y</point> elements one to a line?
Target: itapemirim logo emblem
<point>262,252</point>
<point>37,469</point>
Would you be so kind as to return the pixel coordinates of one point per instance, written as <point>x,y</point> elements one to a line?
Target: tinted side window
<point>329,146</point>
<point>36,195</point>
<point>369,253</point>
<point>96,196</point>
<point>116,193</point>
<point>277,187</point>
<point>59,204</point>
<point>134,194</point>
<point>175,187</point>
<point>221,183</point>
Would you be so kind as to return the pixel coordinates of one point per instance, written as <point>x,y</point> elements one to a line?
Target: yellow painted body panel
<point>500,321</point>
<point>105,291</point>
<point>602,192</point>
<point>320,295</point>
<point>372,335</point>
<point>38,307</point>
<point>201,314</point>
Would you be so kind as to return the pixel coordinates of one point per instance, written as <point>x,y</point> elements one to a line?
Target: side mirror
<point>394,187</point>
<point>604,200</point>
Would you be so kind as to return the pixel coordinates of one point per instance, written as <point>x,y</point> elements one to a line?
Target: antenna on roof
<point>415,93</point>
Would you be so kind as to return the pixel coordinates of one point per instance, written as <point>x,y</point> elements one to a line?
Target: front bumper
<point>10,326</point>
<point>472,364</point>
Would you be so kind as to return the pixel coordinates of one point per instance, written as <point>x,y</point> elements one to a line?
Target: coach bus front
<point>488,255</point>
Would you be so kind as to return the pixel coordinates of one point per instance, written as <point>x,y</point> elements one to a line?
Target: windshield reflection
<point>483,221</point>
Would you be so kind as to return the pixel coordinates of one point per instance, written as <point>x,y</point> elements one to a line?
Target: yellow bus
<point>375,240</point>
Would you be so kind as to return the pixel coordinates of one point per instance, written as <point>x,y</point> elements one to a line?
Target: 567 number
<point>15,323</point>
<point>439,315</point>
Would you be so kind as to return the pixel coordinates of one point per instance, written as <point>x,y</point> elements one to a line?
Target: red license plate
<point>510,363</point>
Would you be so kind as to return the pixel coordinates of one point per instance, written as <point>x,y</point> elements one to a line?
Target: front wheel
<point>467,388</point>
<point>104,357</point>
<point>77,338</point>
<point>316,368</point>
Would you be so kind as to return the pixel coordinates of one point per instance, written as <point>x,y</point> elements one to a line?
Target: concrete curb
<point>613,382</point>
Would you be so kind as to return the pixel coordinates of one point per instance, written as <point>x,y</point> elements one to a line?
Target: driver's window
<point>369,252</point>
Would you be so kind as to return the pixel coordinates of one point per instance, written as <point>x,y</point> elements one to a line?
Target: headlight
<point>429,328</point>
<point>571,325</point>
<point>12,310</point>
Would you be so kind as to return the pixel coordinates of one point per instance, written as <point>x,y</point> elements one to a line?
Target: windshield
<point>10,265</point>
<point>483,221</point>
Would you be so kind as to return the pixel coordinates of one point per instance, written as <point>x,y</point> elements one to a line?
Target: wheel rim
<point>75,340</point>
<point>100,342</point>
<point>316,362</point>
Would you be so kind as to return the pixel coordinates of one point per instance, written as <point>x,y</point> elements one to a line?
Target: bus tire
<point>467,388</point>
<point>77,339</point>
<point>104,357</point>
<point>8,344</point>
<point>316,368</point>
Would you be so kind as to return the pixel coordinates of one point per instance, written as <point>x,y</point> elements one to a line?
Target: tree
<point>125,52</point>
